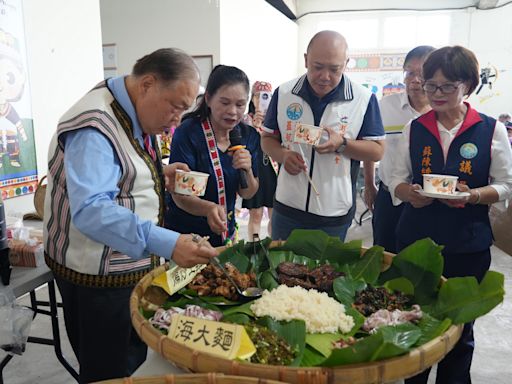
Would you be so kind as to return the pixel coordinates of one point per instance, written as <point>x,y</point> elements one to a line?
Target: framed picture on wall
<point>205,64</point>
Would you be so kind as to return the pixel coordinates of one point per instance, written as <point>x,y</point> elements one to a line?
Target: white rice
<point>321,313</point>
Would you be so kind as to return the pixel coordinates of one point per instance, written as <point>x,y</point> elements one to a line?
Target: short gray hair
<point>168,65</point>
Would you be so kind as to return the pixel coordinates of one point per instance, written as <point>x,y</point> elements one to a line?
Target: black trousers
<point>456,365</point>
<point>385,220</point>
<point>100,331</point>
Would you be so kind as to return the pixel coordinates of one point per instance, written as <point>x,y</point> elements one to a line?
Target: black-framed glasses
<point>445,89</point>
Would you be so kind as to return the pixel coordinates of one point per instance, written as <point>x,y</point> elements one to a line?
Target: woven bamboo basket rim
<point>39,196</point>
<point>203,378</point>
<point>382,371</point>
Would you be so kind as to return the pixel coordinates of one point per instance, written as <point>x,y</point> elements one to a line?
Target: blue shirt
<point>92,172</point>
<point>189,146</point>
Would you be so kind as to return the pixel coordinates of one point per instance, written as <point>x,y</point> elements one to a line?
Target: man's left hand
<point>170,174</point>
<point>331,145</point>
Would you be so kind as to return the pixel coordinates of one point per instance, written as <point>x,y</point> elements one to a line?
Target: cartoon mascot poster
<point>18,169</point>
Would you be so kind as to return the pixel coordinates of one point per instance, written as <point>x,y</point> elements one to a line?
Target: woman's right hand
<point>216,218</point>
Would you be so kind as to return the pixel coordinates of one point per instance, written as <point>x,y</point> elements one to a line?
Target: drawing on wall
<point>382,73</point>
<point>205,64</point>
<point>18,164</point>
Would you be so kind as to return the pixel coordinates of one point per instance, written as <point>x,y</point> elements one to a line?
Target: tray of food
<point>330,312</point>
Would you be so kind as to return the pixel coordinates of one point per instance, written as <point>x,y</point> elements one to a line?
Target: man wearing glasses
<point>396,110</point>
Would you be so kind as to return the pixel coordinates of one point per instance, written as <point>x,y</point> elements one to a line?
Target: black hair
<point>419,52</point>
<point>221,75</point>
<point>457,64</point>
<point>168,65</point>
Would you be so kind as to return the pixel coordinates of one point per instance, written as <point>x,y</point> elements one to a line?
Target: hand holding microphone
<point>241,156</point>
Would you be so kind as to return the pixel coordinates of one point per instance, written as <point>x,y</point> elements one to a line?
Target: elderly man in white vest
<point>315,188</point>
<point>105,203</point>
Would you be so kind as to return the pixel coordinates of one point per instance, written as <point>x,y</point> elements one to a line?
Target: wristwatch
<point>342,147</point>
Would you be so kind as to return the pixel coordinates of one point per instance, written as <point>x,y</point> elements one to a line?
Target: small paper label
<point>221,339</point>
<point>177,277</point>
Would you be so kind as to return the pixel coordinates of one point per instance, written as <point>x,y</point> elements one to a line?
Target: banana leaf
<point>387,342</point>
<point>236,257</point>
<point>368,267</point>
<point>421,263</point>
<point>431,328</point>
<point>462,299</point>
<point>400,284</point>
<point>397,340</point>
<point>277,257</point>
<point>322,342</point>
<point>294,332</point>
<point>358,320</point>
<point>244,308</point>
<point>267,280</point>
<point>345,288</point>
<point>318,245</point>
<point>236,318</point>
<point>311,357</point>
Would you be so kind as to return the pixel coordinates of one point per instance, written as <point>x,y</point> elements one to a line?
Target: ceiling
<point>295,9</point>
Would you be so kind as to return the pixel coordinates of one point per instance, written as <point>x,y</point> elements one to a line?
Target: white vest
<point>68,249</point>
<point>331,171</point>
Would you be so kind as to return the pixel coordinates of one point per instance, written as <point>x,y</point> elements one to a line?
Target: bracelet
<point>478,196</point>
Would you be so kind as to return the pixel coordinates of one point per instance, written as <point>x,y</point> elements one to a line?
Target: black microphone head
<point>235,137</point>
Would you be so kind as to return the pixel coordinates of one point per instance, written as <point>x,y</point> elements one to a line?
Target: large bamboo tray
<point>382,371</point>
<point>209,378</point>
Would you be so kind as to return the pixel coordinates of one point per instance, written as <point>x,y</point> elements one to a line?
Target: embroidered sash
<point>217,169</point>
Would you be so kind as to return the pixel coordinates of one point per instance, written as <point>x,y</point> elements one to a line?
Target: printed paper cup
<point>190,183</point>
<point>439,183</point>
<point>307,134</point>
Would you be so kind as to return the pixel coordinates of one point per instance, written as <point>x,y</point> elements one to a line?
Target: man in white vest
<point>104,207</point>
<point>314,186</point>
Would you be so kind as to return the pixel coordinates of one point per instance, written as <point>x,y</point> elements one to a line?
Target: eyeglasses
<point>412,74</point>
<point>445,89</point>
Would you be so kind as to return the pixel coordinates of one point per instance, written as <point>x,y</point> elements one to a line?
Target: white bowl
<point>190,183</point>
<point>307,134</point>
<point>439,183</point>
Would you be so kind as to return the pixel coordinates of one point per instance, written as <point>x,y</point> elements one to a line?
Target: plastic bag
<point>15,322</point>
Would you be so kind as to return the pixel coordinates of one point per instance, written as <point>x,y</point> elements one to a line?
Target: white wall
<point>140,27</point>
<point>487,33</point>
<point>259,40</point>
<point>63,39</point>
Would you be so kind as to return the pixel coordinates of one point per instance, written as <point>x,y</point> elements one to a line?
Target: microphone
<point>236,143</point>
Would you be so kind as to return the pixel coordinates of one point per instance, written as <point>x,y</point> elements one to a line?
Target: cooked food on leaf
<point>371,299</point>
<point>321,313</point>
<point>385,317</point>
<point>319,278</point>
<point>162,318</point>
<point>211,281</point>
<point>270,347</point>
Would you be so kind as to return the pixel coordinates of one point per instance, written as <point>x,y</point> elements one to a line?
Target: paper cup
<point>307,134</point>
<point>190,183</point>
<point>439,183</point>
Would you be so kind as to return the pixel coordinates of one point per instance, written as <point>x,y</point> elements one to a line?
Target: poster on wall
<point>18,164</point>
<point>382,73</point>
